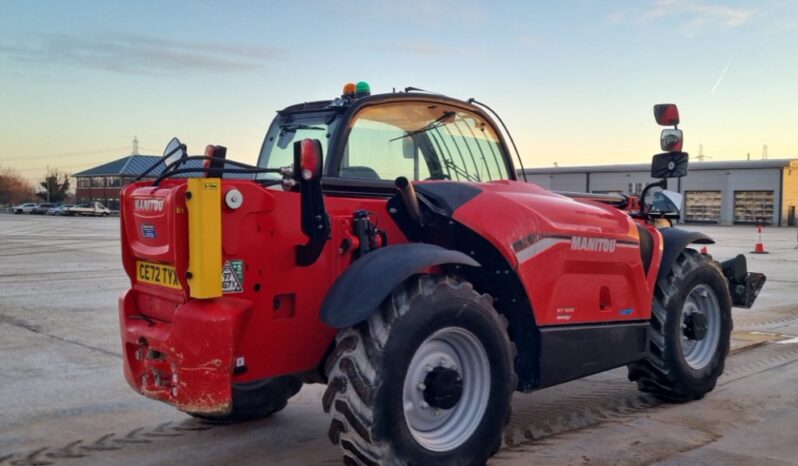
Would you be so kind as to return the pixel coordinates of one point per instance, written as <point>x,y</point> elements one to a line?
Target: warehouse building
<point>725,193</point>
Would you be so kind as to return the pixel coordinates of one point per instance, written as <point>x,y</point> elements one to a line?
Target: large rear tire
<point>257,400</point>
<point>690,333</point>
<point>427,380</point>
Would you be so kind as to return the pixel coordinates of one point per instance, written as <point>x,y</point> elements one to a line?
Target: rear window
<point>422,140</point>
<point>278,147</point>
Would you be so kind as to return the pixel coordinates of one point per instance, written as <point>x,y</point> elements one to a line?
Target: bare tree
<point>14,189</point>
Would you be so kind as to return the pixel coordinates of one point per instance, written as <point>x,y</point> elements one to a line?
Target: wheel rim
<point>437,428</point>
<point>700,326</point>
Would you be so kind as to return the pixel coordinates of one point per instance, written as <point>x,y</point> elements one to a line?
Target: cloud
<point>139,54</point>
<point>429,49</point>
<point>694,16</point>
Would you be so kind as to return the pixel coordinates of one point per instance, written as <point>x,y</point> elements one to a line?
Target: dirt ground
<point>63,399</point>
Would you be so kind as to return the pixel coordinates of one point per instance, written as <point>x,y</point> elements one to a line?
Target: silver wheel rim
<point>701,300</point>
<point>446,429</point>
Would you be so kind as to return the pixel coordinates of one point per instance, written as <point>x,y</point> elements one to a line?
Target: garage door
<point>753,206</point>
<point>702,206</point>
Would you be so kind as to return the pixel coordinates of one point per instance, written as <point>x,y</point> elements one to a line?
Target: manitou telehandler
<point>411,271</point>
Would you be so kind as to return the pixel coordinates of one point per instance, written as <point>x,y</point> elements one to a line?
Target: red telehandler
<point>384,246</point>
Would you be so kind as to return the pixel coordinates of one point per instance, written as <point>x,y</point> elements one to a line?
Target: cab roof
<point>340,104</point>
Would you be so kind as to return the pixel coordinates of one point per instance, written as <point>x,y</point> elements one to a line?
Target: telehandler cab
<point>385,246</point>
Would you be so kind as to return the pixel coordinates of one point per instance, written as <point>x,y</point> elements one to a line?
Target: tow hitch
<point>744,286</point>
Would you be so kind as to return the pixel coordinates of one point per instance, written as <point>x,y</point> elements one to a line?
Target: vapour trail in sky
<point>722,74</point>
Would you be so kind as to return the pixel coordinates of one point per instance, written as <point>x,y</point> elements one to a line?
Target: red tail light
<point>666,114</point>
<point>308,158</point>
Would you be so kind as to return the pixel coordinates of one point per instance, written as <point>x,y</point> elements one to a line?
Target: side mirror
<point>669,165</point>
<point>174,151</point>
<point>667,201</point>
<point>666,114</point>
<point>308,160</point>
<point>671,140</point>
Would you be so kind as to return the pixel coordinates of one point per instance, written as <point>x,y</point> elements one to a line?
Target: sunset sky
<point>574,80</point>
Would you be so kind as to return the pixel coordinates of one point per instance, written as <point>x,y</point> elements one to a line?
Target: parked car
<point>59,210</point>
<point>26,208</point>
<point>42,208</point>
<point>90,208</point>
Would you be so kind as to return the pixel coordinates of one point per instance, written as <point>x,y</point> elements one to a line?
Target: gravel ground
<point>63,399</point>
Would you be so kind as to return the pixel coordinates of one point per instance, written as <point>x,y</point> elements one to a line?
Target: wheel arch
<point>676,240</point>
<point>358,292</point>
<point>499,278</point>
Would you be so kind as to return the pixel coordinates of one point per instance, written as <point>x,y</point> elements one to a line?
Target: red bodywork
<point>579,262</point>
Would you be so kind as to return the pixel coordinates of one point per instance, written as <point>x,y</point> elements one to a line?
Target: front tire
<point>427,380</point>
<point>690,332</point>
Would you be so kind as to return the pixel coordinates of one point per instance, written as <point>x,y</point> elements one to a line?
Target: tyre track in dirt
<point>528,426</point>
<point>93,447</point>
<point>751,320</point>
<point>549,419</point>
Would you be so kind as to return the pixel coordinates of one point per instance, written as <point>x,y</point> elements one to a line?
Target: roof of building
<point>644,167</point>
<point>134,165</point>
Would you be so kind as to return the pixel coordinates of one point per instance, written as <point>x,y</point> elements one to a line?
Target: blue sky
<point>574,80</point>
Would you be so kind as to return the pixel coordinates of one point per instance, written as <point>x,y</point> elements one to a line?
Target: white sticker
<point>232,277</point>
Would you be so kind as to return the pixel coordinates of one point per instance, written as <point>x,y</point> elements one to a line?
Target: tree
<point>55,185</point>
<point>13,188</point>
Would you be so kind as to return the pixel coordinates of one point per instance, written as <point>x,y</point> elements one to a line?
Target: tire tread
<point>357,365</point>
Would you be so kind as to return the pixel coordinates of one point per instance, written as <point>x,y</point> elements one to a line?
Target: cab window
<point>422,140</point>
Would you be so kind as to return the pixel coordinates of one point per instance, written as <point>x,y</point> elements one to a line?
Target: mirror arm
<point>315,222</point>
<point>164,157</point>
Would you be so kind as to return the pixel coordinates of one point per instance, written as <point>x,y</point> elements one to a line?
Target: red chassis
<point>273,323</point>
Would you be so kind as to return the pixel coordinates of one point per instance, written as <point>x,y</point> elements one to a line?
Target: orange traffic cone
<point>759,247</point>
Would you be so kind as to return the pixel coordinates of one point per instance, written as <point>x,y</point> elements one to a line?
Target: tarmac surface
<point>63,398</point>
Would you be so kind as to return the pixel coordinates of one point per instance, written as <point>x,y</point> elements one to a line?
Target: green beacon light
<point>362,89</point>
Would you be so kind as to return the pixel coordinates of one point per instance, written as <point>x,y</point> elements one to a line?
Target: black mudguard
<point>675,241</point>
<point>358,292</point>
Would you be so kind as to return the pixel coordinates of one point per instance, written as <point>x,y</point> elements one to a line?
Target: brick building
<point>104,182</point>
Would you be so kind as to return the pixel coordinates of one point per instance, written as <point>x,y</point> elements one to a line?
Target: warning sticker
<point>233,276</point>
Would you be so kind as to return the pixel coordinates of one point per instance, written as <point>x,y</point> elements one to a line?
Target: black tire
<point>368,367</point>
<point>666,373</point>
<point>257,400</point>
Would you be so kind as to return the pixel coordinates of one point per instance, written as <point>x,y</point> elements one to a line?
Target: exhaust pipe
<point>409,199</point>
